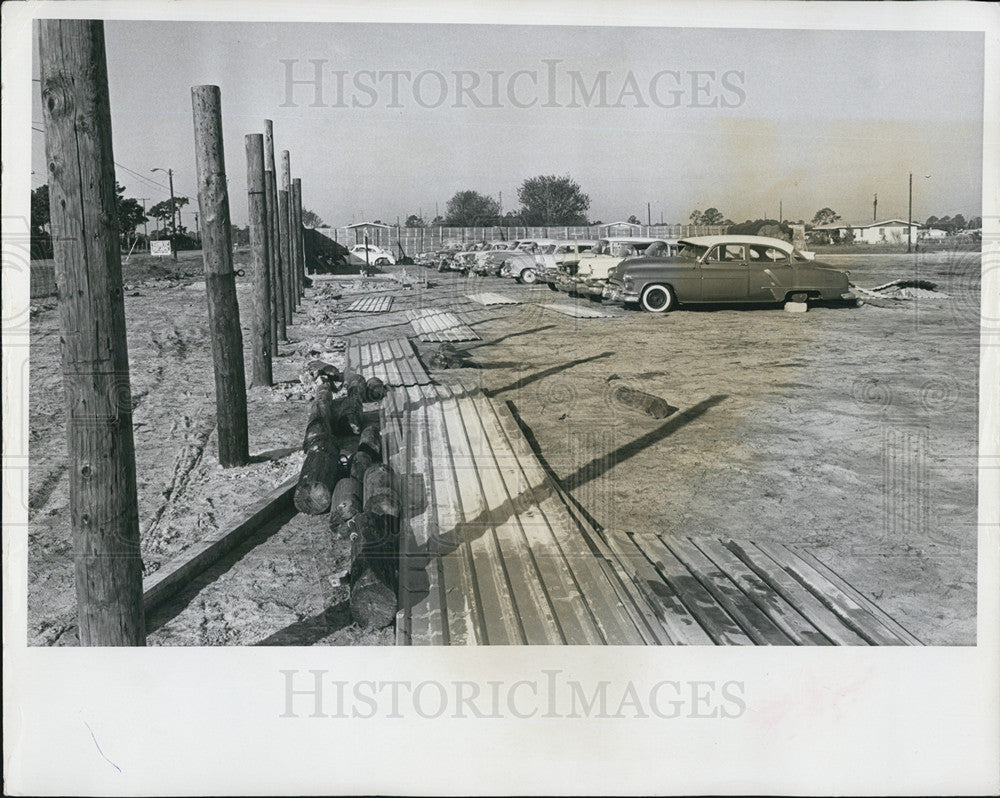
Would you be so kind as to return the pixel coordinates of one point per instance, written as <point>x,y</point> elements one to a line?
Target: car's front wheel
<point>528,277</point>
<point>381,261</point>
<point>657,298</point>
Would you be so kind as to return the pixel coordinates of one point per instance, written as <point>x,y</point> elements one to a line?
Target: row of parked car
<point>655,273</point>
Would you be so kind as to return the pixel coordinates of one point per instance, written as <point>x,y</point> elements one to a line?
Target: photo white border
<point>201,721</point>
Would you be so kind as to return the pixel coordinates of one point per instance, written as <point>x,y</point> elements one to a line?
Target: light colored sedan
<point>376,256</point>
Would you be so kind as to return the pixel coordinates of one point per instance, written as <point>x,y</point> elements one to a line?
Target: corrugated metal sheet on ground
<point>493,551</point>
<point>488,298</point>
<point>735,592</point>
<point>371,304</point>
<point>439,325</point>
<point>490,552</point>
<point>578,311</point>
<point>394,362</point>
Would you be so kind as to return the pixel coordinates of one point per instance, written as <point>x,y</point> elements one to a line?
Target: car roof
<point>711,241</point>
<point>637,240</point>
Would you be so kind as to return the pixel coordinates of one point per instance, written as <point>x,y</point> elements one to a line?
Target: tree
<point>41,240</point>
<point>40,210</point>
<point>130,214</point>
<point>695,217</point>
<point>470,208</point>
<point>931,221</point>
<point>437,221</point>
<point>164,212</point>
<point>958,221</point>
<point>551,200</point>
<point>414,221</point>
<point>311,219</point>
<point>825,216</point>
<point>712,216</point>
<point>633,219</point>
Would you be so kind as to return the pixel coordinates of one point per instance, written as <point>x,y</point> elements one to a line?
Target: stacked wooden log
<point>360,493</point>
<point>375,550</point>
<point>321,468</point>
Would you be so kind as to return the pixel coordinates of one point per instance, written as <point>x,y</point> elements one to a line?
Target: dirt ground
<point>849,430</point>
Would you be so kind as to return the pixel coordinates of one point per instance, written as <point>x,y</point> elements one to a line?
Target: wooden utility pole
<point>300,266</point>
<point>290,247</point>
<point>259,260</point>
<point>286,257</point>
<point>104,514</point>
<point>220,281</point>
<point>277,267</point>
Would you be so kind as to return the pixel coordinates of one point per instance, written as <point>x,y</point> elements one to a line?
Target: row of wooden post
<point>101,452</point>
<point>277,247</point>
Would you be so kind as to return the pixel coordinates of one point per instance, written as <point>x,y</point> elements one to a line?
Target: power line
<point>141,176</point>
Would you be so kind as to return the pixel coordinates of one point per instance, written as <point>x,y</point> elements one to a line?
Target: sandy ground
<point>850,430</point>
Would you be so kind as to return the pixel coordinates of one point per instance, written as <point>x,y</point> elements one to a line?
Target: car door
<point>771,274</point>
<point>724,274</point>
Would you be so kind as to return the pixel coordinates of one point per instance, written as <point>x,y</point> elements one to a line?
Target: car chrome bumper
<point>847,297</point>
<point>617,293</point>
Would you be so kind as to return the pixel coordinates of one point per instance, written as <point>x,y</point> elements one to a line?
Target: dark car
<point>725,268</point>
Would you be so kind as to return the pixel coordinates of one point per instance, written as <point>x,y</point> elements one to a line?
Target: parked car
<point>376,255</point>
<point>726,268</point>
<point>520,263</point>
<point>495,262</point>
<point>465,260</point>
<point>488,261</point>
<point>560,257</point>
<point>595,266</point>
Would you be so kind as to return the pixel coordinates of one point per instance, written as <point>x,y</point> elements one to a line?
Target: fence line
<point>422,239</point>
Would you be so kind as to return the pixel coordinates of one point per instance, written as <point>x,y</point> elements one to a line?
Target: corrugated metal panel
<point>579,311</point>
<point>493,551</point>
<point>394,362</point>
<point>488,298</point>
<point>491,554</point>
<point>370,304</point>
<point>440,325</point>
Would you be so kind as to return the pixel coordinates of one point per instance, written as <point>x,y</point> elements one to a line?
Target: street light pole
<point>173,208</point>
<point>909,220</point>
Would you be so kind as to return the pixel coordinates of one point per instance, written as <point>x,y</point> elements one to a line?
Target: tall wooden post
<point>272,315</point>
<point>278,268</point>
<point>289,245</point>
<point>259,260</point>
<point>104,513</point>
<point>286,250</point>
<point>300,266</point>
<point>217,252</point>
<point>274,242</point>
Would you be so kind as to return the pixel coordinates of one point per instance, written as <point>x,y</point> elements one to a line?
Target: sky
<point>746,121</point>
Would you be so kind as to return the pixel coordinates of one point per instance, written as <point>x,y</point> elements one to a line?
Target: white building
<point>889,231</point>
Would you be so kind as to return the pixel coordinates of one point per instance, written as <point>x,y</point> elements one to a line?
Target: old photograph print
<point>406,335</point>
